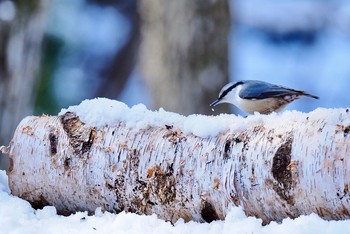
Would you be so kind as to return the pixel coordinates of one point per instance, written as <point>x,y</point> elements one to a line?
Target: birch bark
<point>273,169</point>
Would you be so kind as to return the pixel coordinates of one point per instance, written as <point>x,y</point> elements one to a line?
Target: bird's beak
<point>217,101</point>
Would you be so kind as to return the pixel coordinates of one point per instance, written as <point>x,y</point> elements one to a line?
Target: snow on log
<point>104,154</point>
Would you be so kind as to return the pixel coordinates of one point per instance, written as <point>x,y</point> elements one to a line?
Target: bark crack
<point>208,212</point>
<point>227,149</point>
<point>281,171</point>
<point>81,137</point>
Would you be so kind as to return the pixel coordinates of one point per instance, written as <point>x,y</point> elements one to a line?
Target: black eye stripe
<point>229,89</point>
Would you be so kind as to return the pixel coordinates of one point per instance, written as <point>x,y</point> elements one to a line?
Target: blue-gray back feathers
<point>254,89</point>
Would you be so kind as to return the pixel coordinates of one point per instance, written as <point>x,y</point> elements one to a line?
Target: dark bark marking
<point>346,131</point>
<point>67,163</point>
<point>10,165</point>
<point>208,212</point>
<point>237,140</point>
<point>227,149</point>
<point>169,127</point>
<point>281,172</point>
<point>87,144</point>
<point>342,128</point>
<point>174,136</point>
<point>81,137</point>
<point>234,193</point>
<point>53,143</point>
<point>164,184</point>
<point>324,212</point>
<point>38,204</point>
<point>344,193</point>
<point>119,189</point>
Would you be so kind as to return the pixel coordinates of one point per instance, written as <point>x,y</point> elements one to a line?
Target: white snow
<point>139,117</point>
<point>17,216</point>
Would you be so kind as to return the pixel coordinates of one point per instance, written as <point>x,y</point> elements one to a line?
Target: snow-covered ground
<point>17,216</point>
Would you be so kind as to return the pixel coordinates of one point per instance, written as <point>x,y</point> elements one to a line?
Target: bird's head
<point>227,93</point>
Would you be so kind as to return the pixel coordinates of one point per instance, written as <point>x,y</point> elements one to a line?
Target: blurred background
<point>171,54</point>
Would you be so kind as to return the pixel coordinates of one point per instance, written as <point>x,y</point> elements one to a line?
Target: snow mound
<point>100,112</point>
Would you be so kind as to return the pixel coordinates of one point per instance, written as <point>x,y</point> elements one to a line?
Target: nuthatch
<point>258,96</point>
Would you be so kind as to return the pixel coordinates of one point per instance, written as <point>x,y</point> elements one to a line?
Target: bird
<point>258,96</point>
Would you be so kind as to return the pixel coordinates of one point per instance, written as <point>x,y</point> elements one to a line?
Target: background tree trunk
<point>115,74</point>
<point>20,48</point>
<point>184,52</point>
<point>273,166</point>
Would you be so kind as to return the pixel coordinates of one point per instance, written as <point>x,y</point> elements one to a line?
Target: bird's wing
<point>262,90</point>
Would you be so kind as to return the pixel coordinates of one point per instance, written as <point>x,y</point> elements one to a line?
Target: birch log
<point>274,167</point>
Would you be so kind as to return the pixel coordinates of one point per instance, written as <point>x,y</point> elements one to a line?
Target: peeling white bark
<point>273,170</point>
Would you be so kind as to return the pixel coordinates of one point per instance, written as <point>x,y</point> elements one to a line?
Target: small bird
<point>258,96</point>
